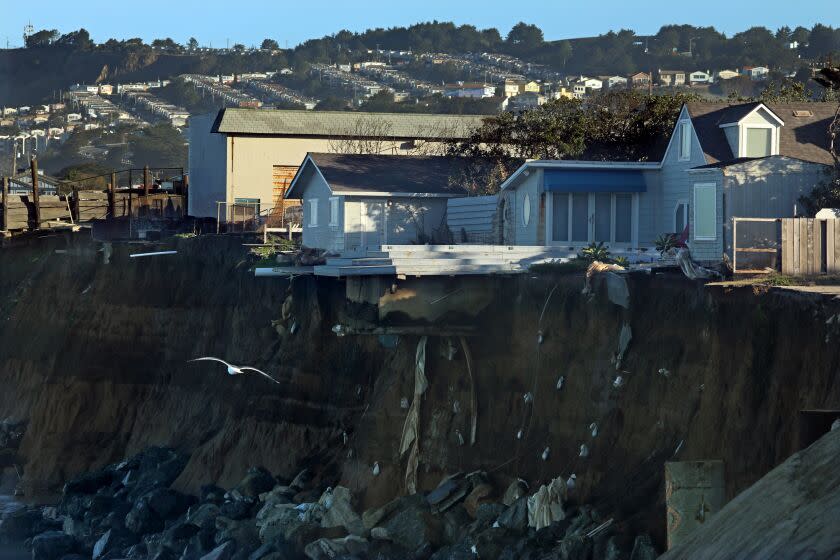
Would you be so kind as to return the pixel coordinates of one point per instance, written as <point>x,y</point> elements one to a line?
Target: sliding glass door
<point>577,219</point>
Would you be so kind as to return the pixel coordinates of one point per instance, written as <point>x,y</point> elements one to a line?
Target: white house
<point>727,74</point>
<point>614,81</point>
<point>756,73</point>
<point>358,202</point>
<point>700,77</point>
<point>472,90</point>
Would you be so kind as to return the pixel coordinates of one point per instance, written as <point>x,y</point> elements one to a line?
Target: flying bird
<point>232,369</point>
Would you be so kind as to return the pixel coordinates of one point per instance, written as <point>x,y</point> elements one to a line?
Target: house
<point>524,101</point>
<point>721,161</point>
<point>640,79</point>
<point>252,154</point>
<point>671,78</point>
<point>359,202</point>
<point>755,73</point>
<point>512,87</point>
<point>613,81</point>
<point>727,74</point>
<point>699,77</point>
<point>582,86</point>
<point>106,89</point>
<point>476,90</point>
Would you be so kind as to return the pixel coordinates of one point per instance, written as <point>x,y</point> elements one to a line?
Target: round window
<point>526,209</point>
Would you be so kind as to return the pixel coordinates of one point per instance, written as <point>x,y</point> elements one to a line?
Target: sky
<point>219,23</point>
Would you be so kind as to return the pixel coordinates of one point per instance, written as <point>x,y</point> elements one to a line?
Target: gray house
<point>356,202</point>
<point>722,161</point>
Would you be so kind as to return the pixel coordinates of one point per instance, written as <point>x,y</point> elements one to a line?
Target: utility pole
<point>33,167</point>
<point>111,187</point>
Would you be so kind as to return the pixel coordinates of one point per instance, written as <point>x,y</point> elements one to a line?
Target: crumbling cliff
<point>96,346</point>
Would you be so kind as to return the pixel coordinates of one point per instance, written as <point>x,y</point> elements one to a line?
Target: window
<point>685,141</point>
<point>705,211</point>
<point>680,217</point>
<point>623,218</point>
<point>333,210</point>
<point>560,217</point>
<point>759,142</point>
<point>313,212</point>
<point>579,218</point>
<point>526,209</point>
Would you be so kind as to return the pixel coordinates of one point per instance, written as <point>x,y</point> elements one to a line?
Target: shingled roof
<point>803,137</point>
<point>385,174</point>
<point>336,124</point>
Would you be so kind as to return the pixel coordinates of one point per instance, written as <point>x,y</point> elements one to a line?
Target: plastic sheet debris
<point>570,482</point>
<point>528,397</point>
<point>545,454</point>
<point>664,372</point>
<point>376,470</point>
<point>584,450</point>
<point>546,505</point>
<point>459,437</point>
<point>618,382</point>
<point>593,429</point>
<point>456,407</point>
<point>624,338</point>
<point>560,381</point>
<point>691,269</point>
<point>339,330</point>
<point>154,254</point>
<point>404,403</point>
<point>597,267</point>
<point>410,439</point>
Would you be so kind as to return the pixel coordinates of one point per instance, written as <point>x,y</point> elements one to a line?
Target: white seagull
<point>232,369</point>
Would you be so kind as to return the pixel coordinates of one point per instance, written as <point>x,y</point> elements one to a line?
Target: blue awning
<point>594,180</point>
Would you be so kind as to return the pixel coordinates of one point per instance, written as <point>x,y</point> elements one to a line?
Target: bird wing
<point>211,359</point>
<point>260,372</point>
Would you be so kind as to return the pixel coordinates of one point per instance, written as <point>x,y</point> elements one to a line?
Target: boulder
<point>327,549</point>
<point>113,540</point>
<point>210,493</point>
<point>256,482</point>
<point>142,519</point>
<point>222,552</point>
<point>89,483</point>
<point>278,549</point>
<point>243,533</point>
<point>74,557</point>
<point>176,536</point>
<point>238,508</point>
<point>279,494</point>
<point>486,515</point>
<point>456,521</point>
<point>413,524</point>
<point>278,520</point>
<point>491,542</point>
<point>167,503</point>
<point>462,550</point>
<point>301,481</point>
<point>338,512</point>
<point>515,518</point>
<point>52,545</point>
<point>517,489</point>
<point>203,514</point>
<point>21,523</point>
<point>477,496</point>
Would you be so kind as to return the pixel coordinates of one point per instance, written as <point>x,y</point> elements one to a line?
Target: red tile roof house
<point>721,161</point>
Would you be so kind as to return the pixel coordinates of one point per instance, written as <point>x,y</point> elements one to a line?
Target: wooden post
<point>74,208</point>
<point>5,202</point>
<point>111,188</point>
<point>146,181</point>
<point>130,186</point>
<point>33,167</point>
<point>186,194</point>
<point>734,245</point>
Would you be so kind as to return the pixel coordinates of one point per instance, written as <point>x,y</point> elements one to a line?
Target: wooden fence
<point>810,246</point>
<point>797,246</point>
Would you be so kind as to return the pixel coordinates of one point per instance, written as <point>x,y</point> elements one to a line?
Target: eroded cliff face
<point>94,358</point>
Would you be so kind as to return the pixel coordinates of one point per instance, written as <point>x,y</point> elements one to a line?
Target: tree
<point>269,45</point>
<point>525,36</point>
<point>42,38</point>
<point>159,145</point>
<point>788,91</point>
<point>827,195</point>
<point>239,47</point>
<point>192,44</point>
<point>76,40</point>
<point>166,44</point>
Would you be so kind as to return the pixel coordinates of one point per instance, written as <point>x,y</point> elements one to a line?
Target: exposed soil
<point>94,357</point>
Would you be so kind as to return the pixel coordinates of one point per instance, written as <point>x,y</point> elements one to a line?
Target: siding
<point>514,206</point>
<point>766,188</point>
<point>677,186</point>
<point>473,217</point>
<point>207,156</point>
<point>322,236</point>
<point>402,222</point>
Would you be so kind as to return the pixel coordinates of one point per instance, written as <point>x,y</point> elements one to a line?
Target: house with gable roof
<point>720,161</point>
